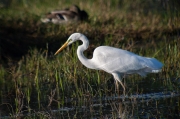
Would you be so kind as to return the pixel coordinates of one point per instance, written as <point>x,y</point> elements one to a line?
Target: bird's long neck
<point>85,61</point>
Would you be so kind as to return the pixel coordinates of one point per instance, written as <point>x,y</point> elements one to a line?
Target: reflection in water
<point>150,105</point>
<point>154,105</point>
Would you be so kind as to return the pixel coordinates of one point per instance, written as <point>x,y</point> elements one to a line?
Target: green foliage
<point>31,74</point>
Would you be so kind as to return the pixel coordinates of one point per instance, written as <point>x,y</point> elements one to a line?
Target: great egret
<point>62,16</point>
<point>112,60</point>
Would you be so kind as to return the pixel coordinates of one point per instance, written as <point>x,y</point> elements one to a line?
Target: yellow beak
<point>62,47</point>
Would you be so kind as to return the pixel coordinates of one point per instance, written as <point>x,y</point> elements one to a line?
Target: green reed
<point>69,79</point>
<point>40,80</point>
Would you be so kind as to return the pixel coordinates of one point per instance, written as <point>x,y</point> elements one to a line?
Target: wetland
<point>36,84</point>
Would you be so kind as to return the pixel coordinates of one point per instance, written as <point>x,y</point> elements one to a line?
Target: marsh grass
<point>32,79</point>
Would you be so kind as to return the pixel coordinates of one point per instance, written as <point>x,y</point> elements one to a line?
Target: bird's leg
<point>118,79</point>
<point>117,86</point>
<point>124,81</point>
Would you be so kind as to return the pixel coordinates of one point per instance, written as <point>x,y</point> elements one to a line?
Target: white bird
<point>112,60</point>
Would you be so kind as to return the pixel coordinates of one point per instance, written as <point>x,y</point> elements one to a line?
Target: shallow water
<point>153,100</point>
<point>154,105</point>
<point>161,105</point>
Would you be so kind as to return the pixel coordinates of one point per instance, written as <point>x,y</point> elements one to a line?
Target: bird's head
<point>74,37</point>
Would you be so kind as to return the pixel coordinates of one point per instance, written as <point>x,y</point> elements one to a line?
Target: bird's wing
<point>69,15</point>
<point>112,60</point>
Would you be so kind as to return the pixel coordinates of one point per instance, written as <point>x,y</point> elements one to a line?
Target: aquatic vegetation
<point>34,83</point>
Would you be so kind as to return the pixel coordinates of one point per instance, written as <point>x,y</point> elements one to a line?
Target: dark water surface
<point>154,100</point>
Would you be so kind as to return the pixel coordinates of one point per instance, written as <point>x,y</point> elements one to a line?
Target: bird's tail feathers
<point>156,71</point>
<point>153,65</point>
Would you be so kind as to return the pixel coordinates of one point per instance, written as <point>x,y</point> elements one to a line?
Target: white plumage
<point>112,60</point>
